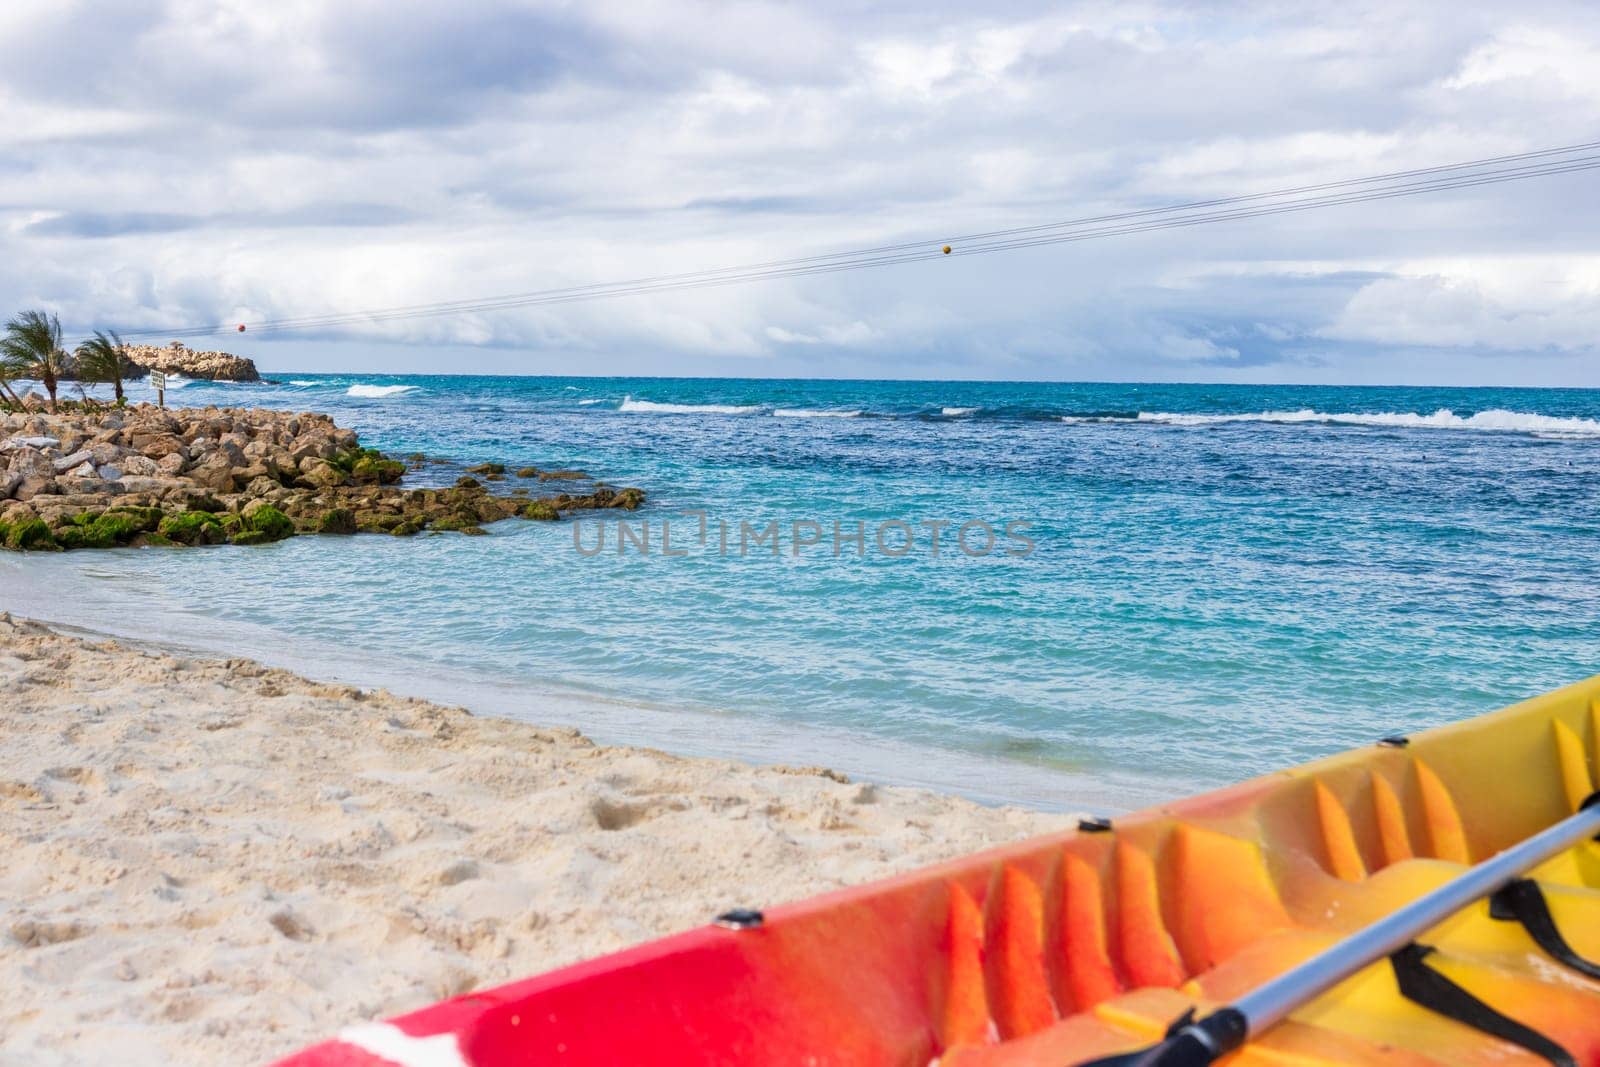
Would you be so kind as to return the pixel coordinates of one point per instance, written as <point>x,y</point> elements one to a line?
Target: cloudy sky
<point>185,162</point>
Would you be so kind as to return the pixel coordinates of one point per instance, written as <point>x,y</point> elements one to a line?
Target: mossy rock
<point>541,510</point>
<point>268,521</point>
<point>474,531</point>
<point>628,499</point>
<point>145,520</point>
<point>31,535</point>
<point>337,521</point>
<point>467,481</point>
<point>377,521</point>
<point>93,529</point>
<point>251,537</point>
<point>409,527</point>
<point>193,528</point>
<point>487,468</point>
<point>370,470</point>
<point>453,522</point>
<point>528,472</point>
<point>205,503</point>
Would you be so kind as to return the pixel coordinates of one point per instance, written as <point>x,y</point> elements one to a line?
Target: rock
<point>193,528</point>
<point>372,469</point>
<point>563,476</point>
<point>30,462</point>
<point>214,473</point>
<point>132,484</point>
<point>261,485</point>
<point>255,475</point>
<point>321,473</point>
<point>142,466</point>
<point>33,485</point>
<point>487,468</point>
<point>337,521</point>
<point>31,442</point>
<point>157,444</point>
<point>178,359</point>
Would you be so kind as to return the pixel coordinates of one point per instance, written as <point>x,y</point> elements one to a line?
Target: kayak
<point>1102,940</point>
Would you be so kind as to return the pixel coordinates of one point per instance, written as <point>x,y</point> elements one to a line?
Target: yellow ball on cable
<point>946,250</point>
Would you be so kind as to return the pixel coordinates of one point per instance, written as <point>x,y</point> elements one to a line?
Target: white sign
<point>158,380</point>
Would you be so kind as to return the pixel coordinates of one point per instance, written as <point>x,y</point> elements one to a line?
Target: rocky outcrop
<point>178,359</point>
<point>143,475</point>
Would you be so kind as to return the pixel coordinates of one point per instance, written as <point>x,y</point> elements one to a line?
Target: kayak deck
<point>1060,949</point>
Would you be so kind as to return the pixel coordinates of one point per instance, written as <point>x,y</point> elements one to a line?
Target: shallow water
<point>1223,579</point>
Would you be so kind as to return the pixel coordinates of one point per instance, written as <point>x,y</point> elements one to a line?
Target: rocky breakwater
<point>177,358</point>
<point>146,476</point>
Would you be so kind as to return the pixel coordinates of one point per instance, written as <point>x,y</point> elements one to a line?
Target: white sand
<point>209,862</point>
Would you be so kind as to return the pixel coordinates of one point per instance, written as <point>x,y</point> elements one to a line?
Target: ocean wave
<point>378,391</point>
<point>302,381</point>
<point>630,404</point>
<point>953,413</point>
<point>1495,419</point>
<point>596,400</point>
<point>816,413</point>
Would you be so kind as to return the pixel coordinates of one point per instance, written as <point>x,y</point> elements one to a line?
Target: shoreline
<point>990,780</point>
<point>220,861</point>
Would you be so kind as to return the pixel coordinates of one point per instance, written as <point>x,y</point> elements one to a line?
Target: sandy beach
<point>217,862</point>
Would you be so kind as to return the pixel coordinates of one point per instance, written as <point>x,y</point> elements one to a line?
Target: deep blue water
<point>1223,579</point>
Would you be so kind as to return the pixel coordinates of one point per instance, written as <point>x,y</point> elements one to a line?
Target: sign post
<point>158,379</point>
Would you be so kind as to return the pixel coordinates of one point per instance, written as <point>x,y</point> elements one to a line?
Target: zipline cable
<point>1439,178</point>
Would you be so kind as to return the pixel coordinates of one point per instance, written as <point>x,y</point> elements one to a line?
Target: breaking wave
<point>630,404</point>
<point>1495,419</point>
<point>378,391</point>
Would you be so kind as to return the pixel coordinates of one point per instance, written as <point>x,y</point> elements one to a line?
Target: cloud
<point>1525,306</point>
<point>240,160</point>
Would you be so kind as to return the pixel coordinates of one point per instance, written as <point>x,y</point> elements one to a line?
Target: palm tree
<point>8,394</point>
<point>103,359</point>
<point>31,347</point>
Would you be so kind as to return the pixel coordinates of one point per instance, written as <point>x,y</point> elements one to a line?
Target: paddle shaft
<point>1268,1004</point>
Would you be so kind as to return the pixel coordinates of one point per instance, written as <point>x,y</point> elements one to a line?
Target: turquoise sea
<point>1222,579</point>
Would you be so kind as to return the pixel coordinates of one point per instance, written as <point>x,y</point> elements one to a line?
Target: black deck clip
<point>1394,741</point>
<point>740,919</point>
<point>1094,824</point>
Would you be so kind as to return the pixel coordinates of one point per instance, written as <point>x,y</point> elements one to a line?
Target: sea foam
<point>630,404</point>
<point>815,413</point>
<point>378,391</point>
<point>1494,419</point>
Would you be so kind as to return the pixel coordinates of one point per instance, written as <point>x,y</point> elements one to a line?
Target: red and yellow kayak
<point>1073,946</point>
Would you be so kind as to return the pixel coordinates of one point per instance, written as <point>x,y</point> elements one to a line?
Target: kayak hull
<point>1075,945</point>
